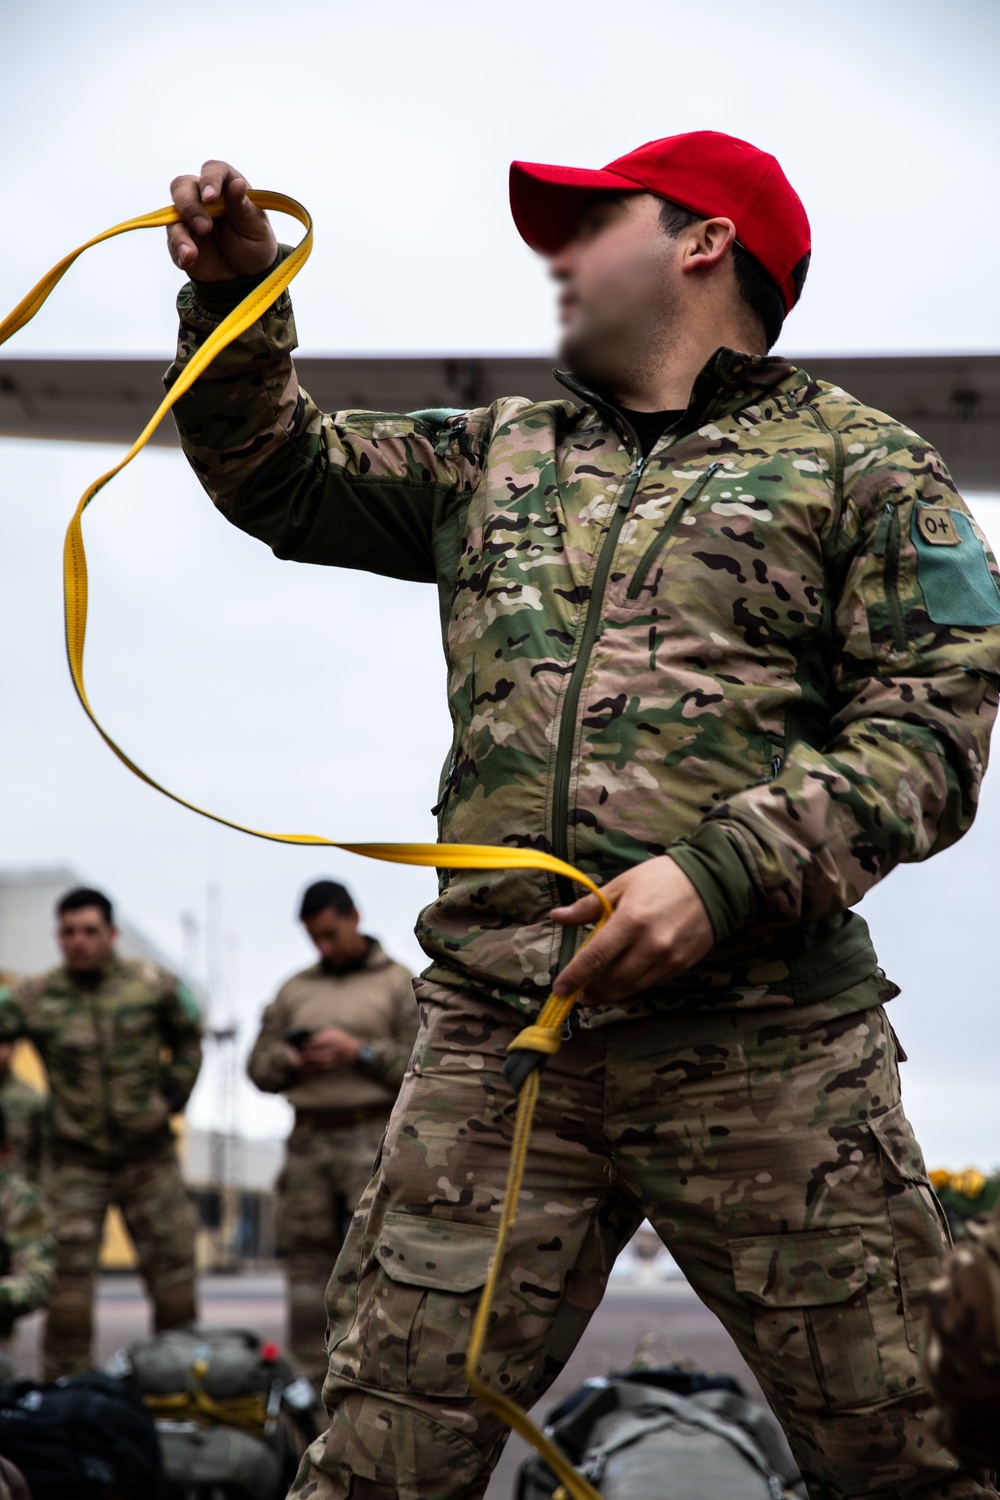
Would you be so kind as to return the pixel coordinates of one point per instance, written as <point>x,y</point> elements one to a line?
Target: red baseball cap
<point>704,171</point>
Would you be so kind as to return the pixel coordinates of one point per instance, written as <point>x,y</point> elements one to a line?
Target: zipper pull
<point>695,489</point>
<point>882,529</point>
<point>631,480</point>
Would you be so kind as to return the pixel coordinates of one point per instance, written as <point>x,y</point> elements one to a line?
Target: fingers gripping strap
<point>541,1039</point>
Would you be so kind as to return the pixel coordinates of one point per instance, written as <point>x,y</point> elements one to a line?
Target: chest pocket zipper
<point>887,546</point>
<point>666,531</point>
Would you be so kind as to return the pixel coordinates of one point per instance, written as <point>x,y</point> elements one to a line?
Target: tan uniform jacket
<point>373,1001</point>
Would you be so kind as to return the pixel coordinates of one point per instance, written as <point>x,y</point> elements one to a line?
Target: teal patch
<point>187,1002</point>
<point>436,416</point>
<point>956,581</point>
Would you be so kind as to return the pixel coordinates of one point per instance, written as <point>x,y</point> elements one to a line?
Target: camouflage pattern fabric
<point>770,1151</point>
<point>103,1045</point>
<point>27,1253</point>
<point>962,1362</point>
<point>326,1170</point>
<point>160,1219</point>
<point>25,1111</point>
<point>770,649</point>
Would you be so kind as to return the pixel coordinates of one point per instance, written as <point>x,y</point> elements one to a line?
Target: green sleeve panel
<point>713,864</point>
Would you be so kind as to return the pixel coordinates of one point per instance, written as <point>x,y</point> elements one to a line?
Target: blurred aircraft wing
<point>952,400</point>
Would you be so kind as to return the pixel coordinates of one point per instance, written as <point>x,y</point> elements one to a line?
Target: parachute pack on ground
<point>232,1415</point>
<point>647,1433</point>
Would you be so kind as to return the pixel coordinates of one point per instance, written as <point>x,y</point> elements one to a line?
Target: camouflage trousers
<point>770,1151</point>
<point>327,1168</point>
<point>160,1219</point>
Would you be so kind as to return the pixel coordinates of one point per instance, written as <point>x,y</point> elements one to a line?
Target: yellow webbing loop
<point>545,1035</point>
<point>248,1413</point>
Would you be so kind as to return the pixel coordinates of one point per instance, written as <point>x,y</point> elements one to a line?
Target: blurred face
<point>620,288</point>
<point>86,939</point>
<point>337,936</point>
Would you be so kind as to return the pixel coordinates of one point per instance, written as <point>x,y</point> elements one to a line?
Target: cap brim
<point>547,201</point>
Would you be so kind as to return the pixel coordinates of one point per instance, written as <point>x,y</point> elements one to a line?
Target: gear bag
<point>232,1414</point>
<point>667,1434</point>
<point>88,1436</point>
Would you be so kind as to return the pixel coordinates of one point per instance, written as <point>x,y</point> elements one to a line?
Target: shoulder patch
<point>952,568</point>
<point>936,525</point>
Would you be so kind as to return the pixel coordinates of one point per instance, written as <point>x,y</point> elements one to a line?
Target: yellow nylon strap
<point>545,1035</point>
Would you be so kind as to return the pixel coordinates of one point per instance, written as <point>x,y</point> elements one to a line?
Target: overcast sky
<point>299,699</point>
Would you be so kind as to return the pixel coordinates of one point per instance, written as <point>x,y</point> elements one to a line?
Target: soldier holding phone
<point>335,1041</point>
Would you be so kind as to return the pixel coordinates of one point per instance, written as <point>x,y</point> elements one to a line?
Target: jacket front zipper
<point>667,530</point>
<point>567,720</point>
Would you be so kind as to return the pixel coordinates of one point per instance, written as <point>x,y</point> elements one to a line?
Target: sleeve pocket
<point>809,1297</point>
<point>430,1274</point>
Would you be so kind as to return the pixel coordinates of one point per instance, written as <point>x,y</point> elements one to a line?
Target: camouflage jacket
<point>25,1111</point>
<point>27,1249</point>
<point>770,649</point>
<point>121,1054</point>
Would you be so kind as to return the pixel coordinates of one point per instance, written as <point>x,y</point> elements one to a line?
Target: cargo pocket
<point>919,1229</point>
<point>811,1316</point>
<point>431,1272</point>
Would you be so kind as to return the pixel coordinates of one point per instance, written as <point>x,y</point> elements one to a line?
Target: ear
<point>706,244</point>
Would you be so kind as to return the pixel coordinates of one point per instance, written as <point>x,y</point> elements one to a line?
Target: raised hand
<point>239,242</point>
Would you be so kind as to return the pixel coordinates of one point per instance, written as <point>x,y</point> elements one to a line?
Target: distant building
<point>236,1215</point>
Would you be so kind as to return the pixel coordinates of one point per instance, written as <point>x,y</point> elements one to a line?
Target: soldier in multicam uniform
<point>27,1248</point>
<point>335,1041</point>
<point>728,640</point>
<point>24,1110</point>
<point>121,1043</point>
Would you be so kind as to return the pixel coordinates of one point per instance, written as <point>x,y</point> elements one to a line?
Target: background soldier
<point>962,1358</point>
<point>121,1044</point>
<point>27,1248</point>
<point>728,640</point>
<point>24,1110</point>
<point>335,1041</point>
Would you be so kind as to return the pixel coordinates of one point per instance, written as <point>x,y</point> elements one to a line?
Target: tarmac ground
<point>664,1313</point>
